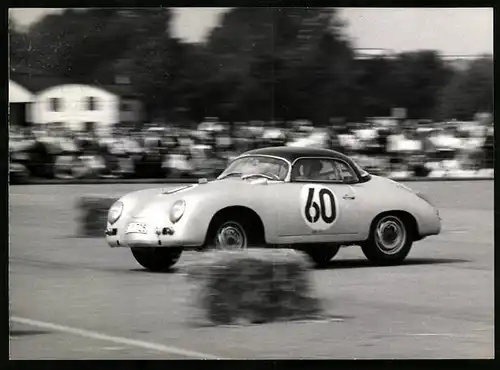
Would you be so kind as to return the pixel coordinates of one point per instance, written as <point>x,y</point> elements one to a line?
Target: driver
<point>310,169</point>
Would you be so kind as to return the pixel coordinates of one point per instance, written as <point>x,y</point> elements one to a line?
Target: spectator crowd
<point>387,147</point>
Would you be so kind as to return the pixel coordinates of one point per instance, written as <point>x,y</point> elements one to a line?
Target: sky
<point>452,31</point>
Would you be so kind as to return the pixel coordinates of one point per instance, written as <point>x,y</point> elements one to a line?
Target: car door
<point>344,223</point>
<point>347,221</point>
<point>289,211</point>
<point>321,208</point>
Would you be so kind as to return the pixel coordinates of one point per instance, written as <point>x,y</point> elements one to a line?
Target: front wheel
<point>390,241</point>
<point>156,259</point>
<point>321,255</point>
<point>231,235</point>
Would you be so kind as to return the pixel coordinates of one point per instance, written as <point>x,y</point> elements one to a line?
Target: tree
<point>410,80</point>
<point>372,88</point>
<point>77,43</point>
<point>18,46</point>
<point>280,63</point>
<point>469,92</point>
<point>95,45</point>
<point>417,79</point>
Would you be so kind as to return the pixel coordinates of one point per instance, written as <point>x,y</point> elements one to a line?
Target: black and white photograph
<point>249,183</point>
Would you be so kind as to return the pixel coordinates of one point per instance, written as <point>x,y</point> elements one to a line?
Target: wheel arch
<point>406,217</point>
<point>244,214</point>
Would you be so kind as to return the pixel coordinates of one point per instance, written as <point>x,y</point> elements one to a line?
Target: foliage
<point>18,45</point>
<point>469,92</point>
<point>279,62</point>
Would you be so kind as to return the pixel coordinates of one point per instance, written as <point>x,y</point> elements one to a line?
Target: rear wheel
<point>321,255</point>
<point>156,258</point>
<point>390,240</point>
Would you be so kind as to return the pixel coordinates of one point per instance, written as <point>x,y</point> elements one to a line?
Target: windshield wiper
<point>231,174</point>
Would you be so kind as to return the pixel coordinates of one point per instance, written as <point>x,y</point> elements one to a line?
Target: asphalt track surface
<point>76,298</point>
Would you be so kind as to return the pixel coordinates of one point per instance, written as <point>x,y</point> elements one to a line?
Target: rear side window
<point>346,171</point>
<point>322,170</point>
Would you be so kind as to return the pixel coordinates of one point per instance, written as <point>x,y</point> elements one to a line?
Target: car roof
<point>292,153</point>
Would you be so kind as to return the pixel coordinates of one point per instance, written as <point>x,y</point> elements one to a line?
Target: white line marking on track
<point>438,335</point>
<point>113,348</point>
<point>116,340</point>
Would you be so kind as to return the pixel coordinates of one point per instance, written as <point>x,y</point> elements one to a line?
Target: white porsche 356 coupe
<point>312,200</point>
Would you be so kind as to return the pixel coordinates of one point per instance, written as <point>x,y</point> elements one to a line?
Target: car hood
<point>141,201</point>
<point>224,186</point>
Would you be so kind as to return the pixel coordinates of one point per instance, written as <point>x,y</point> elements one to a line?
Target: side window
<point>317,169</point>
<point>345,171</point>
<point>329,171</point>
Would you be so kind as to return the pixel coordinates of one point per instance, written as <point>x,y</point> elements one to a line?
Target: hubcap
<point>230,236</point>
<point>390,235</point>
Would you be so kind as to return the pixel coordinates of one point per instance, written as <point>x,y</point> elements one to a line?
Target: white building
<point>82,107</point>
<point>18,94</point>
<point>460,62</point>
<point>54,102</point>
<point>371,53</point>
<point>19,104</point>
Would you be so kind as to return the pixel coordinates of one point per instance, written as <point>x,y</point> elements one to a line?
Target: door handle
<point>347,196</point>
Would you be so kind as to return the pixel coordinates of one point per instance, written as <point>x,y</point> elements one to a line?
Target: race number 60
<point>318,206</point>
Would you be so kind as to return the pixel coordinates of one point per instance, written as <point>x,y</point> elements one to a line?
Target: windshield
<point>275,168</point>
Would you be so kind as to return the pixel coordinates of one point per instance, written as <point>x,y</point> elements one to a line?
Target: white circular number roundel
<point>318,207</point>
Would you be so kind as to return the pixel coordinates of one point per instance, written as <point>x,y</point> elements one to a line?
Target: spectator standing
<point>395,146</point>
<point>43,154</point>
<point>104,146</point>
<point>488,148</point>
<point>333,134</point>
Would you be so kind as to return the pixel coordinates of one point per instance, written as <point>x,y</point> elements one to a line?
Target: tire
<point>384,250</point>
<point>230,235</point>
<point>321,255</point>
<point>156,259</point>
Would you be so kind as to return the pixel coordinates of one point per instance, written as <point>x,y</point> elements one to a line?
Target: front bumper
<point>155,235</point>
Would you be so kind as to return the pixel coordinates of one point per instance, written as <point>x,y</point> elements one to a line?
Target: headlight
<point>177,211</point>
<point>115,212</point>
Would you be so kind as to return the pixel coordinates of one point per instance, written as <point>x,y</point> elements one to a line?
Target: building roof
<point>36,81</point>
<point>124,91</point>
<point>19,94</point>
<point>370,53</point>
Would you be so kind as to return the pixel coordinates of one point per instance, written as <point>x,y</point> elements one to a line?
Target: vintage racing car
<point>312,200</point>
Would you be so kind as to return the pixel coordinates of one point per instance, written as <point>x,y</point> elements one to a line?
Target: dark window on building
<point>126,107</point>
<point>55,104</point>
<point>90,127</point>
<point>91,103</point>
